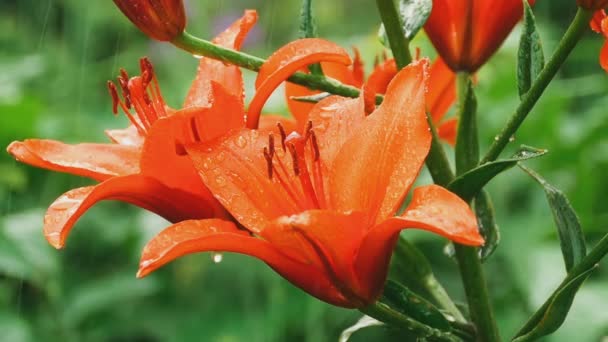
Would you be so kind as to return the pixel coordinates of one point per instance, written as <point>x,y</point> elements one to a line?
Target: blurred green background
<point>55,57</point>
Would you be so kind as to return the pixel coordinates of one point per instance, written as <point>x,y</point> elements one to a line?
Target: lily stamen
<point>147,101</point>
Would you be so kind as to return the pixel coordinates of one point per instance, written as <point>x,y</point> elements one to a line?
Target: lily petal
<point>442,90</point>
<point>96,161</point>
<point>432,208</point>
<point>378,82</point>
<point>384,156</point>
<point>145,192</point>
<point>604,55</point>
<point>447,131</point>
<point>236,172</point>
<point>286,61</point>
<point>210,70</point>
<point>328,239</point>
<point>194,236</point>
<point>128,136</point>
<point>160,158</point>
<point>333,121</point>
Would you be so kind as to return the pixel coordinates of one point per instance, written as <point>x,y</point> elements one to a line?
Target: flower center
<point>141,93</point>
<point>303,182</point>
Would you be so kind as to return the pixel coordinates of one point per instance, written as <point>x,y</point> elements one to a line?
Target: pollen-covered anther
<point>283,135</point>
<point>141,93</point>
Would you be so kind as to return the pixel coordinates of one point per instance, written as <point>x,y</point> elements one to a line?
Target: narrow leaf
<point>530,57</point>
<point>557,308</point>
<point>412,305</point>
<point>470,183</point>
<point>484,210</point>
<point>311,98</point>
<point>364,322</point>
<point>413,15</point>
<point>572,240</point>
<point>308,29</point>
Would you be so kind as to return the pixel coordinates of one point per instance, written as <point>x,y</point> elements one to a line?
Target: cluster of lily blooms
<point>316,197</point>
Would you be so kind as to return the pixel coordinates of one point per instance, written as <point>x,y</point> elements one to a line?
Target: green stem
<point>471,272</point>
<point>394,31</point>
<point>201,47</point>
<point>574,33</point>
<point>384,313</point>
<point>437,161</point>
<point>589,261</point>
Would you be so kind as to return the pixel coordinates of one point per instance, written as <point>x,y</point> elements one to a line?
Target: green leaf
<point>484,210</point>
<point>412,305</point>
<point>413,15</point>
<point>311,98</point>
<point>557,308</point>
<point>530,57</point>
<point>572,240</point>
<point>308,29</point>
<point>364,322</point>
<point>470,183</point>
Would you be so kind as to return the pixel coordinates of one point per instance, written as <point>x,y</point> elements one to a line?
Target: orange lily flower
<point>134,169</point>
<point>466,33</point>
<point>159,19</point>
<point>320,207</point>
<point>599,24</point>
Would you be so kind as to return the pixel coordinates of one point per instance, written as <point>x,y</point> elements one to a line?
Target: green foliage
<point>571,236</point>
<point>530,57</point>
<point>471,182</point>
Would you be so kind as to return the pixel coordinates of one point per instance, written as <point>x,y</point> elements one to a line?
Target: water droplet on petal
<point>241,142</point>
<point>220,181</point>
<point>217,257</point>
<point>197,56</point>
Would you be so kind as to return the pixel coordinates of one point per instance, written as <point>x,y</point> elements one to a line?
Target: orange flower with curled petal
<point>599,24</point>
<point>134,168</point>
<point>159,19</point>
<point>466,33</point>
<point>320,206</point>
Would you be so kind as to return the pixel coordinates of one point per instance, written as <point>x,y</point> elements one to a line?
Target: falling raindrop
<point>217,257</point>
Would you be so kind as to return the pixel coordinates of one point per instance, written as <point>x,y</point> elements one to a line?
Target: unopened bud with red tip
<point>162,20</point>
<point>592,4</point>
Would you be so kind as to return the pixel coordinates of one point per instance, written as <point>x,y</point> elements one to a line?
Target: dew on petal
<point>217,257</point>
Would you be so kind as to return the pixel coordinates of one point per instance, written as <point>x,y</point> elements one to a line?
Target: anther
<point>114,95</point>
<point>307,131</point>
<point>283,135</point>
<point>268,158</point>
<point>294,157</point>
<point>271,145</point>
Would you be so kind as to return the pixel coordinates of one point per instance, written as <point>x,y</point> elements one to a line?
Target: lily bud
<point>592,4</point>
<point>159,19</point>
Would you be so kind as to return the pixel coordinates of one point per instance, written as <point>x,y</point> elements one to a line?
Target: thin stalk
<point>574,33</point>
<point>471,272</point>
<point>201,47</point>
<point>384,313</point>
<point>394,31</point>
